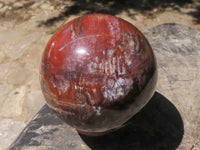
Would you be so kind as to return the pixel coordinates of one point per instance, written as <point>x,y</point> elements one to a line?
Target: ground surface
<point>25,28</point>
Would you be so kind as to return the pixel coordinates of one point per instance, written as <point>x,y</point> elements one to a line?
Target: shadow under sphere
<point>158,126</point>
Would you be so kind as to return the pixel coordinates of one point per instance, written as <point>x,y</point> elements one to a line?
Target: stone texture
<point>2,56</point>
<point>15,43</point>
<point>4,89</point>
<point>35,102</point>
<point>171,120</point>
<point>19,76</point>
<point>17,5</point>
<point>18,23</point>
<point>12,105</point>
<point>91,68</point>
<point>1,5</point>
<point>4,69</point>
<point>46,6</point>
<point>9,130</point>
<point>8,1</point>
<point>3,9</point>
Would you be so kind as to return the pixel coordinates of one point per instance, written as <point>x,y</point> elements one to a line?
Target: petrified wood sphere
<point>97,71</point>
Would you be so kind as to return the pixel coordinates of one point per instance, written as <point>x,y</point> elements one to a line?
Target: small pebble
<point>1,5</point>
<point>18,5</point>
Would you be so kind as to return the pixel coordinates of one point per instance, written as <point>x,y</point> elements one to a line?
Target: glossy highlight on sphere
<point>97,71</point>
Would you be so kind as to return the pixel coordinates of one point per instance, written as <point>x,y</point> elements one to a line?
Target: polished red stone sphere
<point>97,71</point>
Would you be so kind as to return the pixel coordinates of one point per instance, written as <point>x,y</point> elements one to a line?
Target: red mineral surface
<point>97,71</point>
